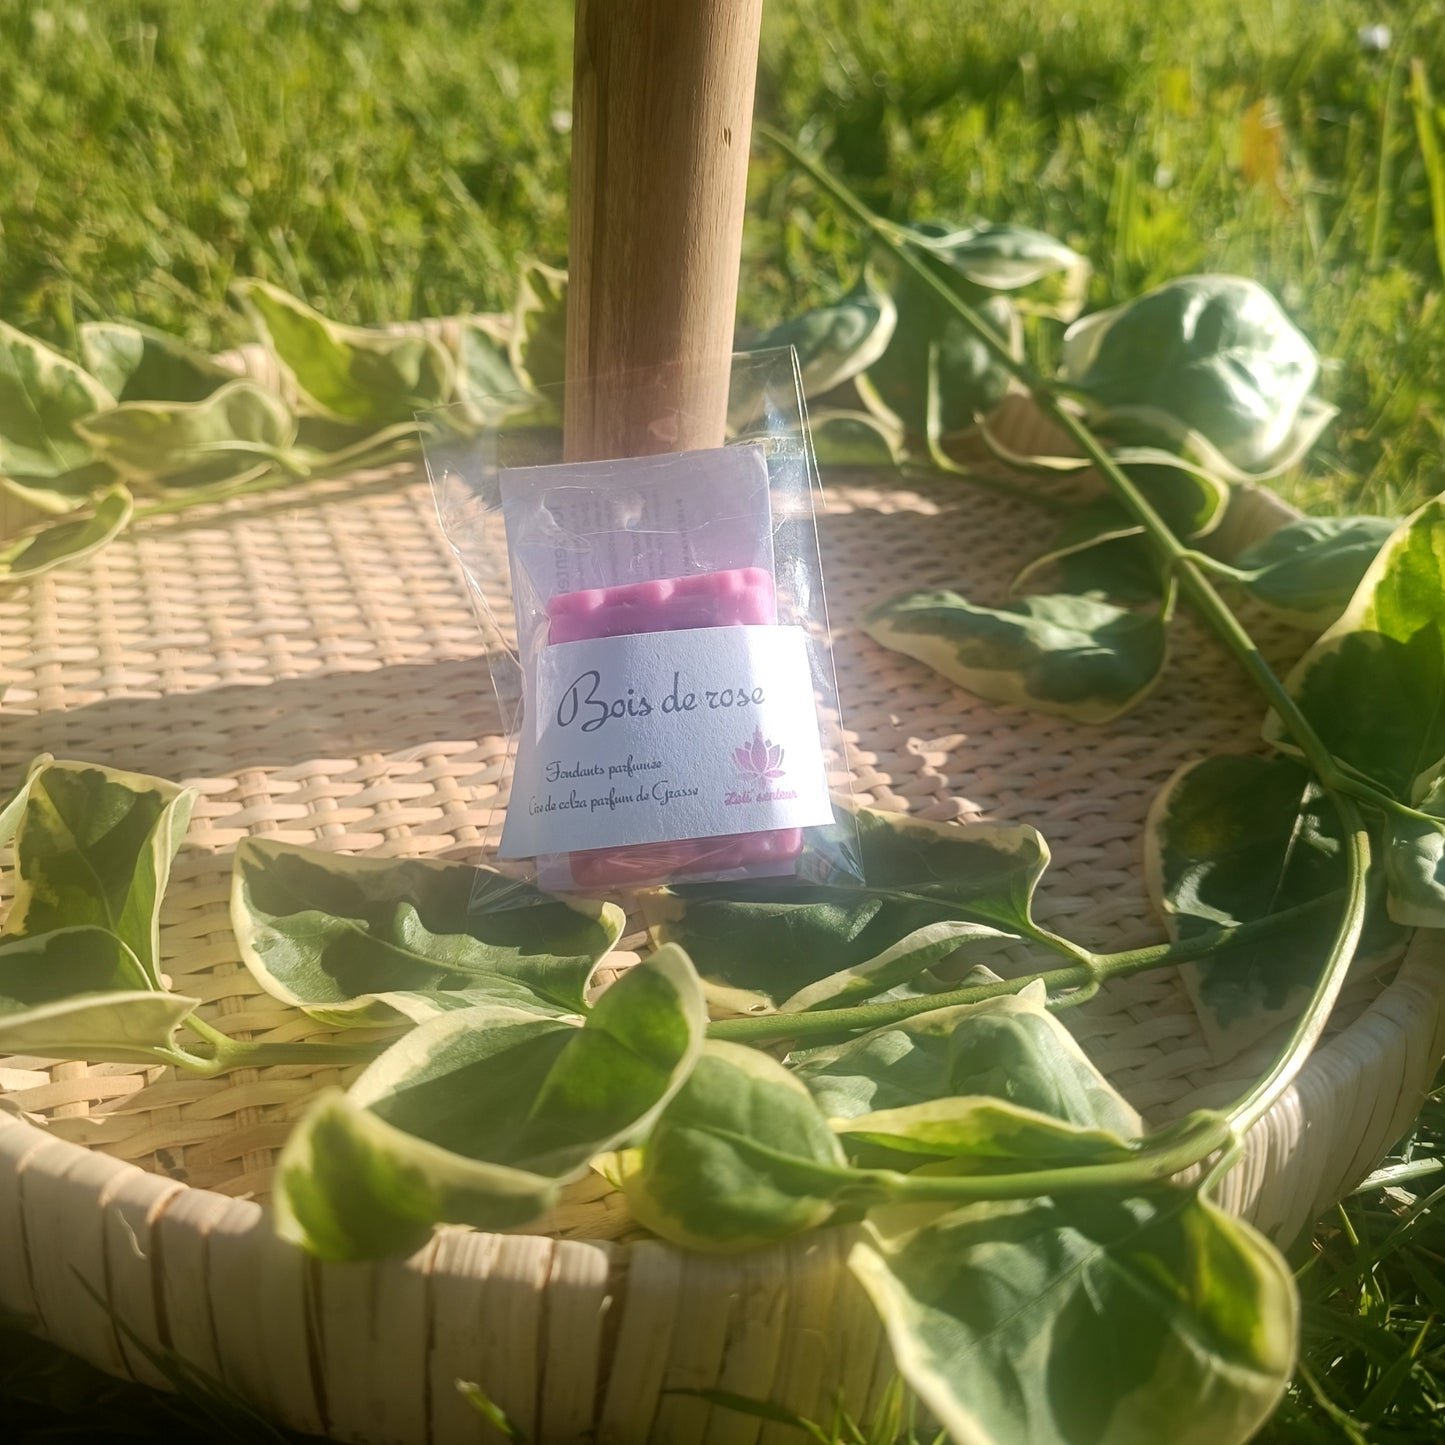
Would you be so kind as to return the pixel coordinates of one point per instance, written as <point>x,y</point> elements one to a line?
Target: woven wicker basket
<point>309,662</point>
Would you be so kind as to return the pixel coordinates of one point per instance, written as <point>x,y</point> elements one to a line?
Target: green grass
<point>395,158</point>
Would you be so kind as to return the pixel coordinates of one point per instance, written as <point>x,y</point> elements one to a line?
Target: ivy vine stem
<point>1180,559</point>
<point>1092,969</point>
<point>224,1053</point>
<point>1346,785</point>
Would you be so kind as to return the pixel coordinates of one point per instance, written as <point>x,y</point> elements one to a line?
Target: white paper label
<point>660,736</point>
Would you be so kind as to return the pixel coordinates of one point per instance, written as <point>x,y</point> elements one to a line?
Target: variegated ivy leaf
<point>1075,656</point>
<point>349,373</point>
<point>94,846</point>
<point>538,347</point>
<point>1232,839</point>
<point>1002,257</point>
<point>834,343</point>
<point>486,384</point>
<point>976,263</point>
<point>64,493</point>
<point>1008,1048</point>
<point>478,1117</point>
<point>62,542</point>
<point>933,889</point>
<point>80,993</point>
<point>929,338</point>
<point>1100,548</point>
<point>1202,356</point>
<point>42,395</point>
<point>139,363</point>
<point>1087,1318</point>
<point>1373,686</point>
<point>973,1134</point>
<point>740,1158</point>
<point>1307,572</point>
<point>14,806</point>
<point>237,429</point>
<point>358,940</point>
<point>1313,417</point>
<point>855,439</point>
<point>1415,864</point>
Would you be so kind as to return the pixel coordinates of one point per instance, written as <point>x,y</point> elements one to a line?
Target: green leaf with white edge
<point>139,363</point>
<point>854,439</point>
<point>763,945</point>
<point>357,940</point>
<point>61,494</point>
<point>351,1187</point>
<point>349,373</point>
<point>1087,1318</point>
<point>1074,656</point>
<point>1232,839</point>
<point>1373,686</point>
<point>1003,257</point>
<point>538,347</point>
<point>1150,426</point>
<point>970,381</point>
<point>64,542</point>
<point>898,965</point>
<point>1212,355</point>
<point>1415,864</point>
<point>740,1158</point>
<point>194,443</point>
<point>988,872</point>
<point>80,993</point>
<point>486,383</point>
<point>94,846</point>
<point>834,343</point>
<point>540,1093</point>
<point>48,968</point>
<point>1100,548</point>
<point>1307,571</point>
<point>980,1135</point>
<point>1009,1048</point>
<point>13,808</point>
<point>477,1117</point>
<point>42,395</point>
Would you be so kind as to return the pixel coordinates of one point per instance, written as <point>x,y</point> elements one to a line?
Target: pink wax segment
<point>643,863</point>
<point>737,597</point>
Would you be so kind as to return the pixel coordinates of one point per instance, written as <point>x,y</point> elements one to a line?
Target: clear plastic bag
<point>657,634</point>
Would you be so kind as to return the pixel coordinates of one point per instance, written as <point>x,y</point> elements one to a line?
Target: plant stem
<point>1207,1133</point>
<point>1176,555</point>
<point>224,1053</point>
<point>1096,969</point>
<point>1345,784</point>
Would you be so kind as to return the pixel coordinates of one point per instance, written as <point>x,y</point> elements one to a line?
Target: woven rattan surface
<point>309,662</point>
<point>312,665</point>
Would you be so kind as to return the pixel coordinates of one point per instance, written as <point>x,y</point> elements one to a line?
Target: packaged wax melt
<point>659,647</point>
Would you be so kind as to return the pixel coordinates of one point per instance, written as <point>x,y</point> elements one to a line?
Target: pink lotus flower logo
<point>761,758</point>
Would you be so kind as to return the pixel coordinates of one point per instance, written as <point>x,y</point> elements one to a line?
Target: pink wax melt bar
<point>738,597</point>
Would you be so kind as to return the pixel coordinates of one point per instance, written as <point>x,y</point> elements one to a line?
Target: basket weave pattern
<point>310,663</point>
